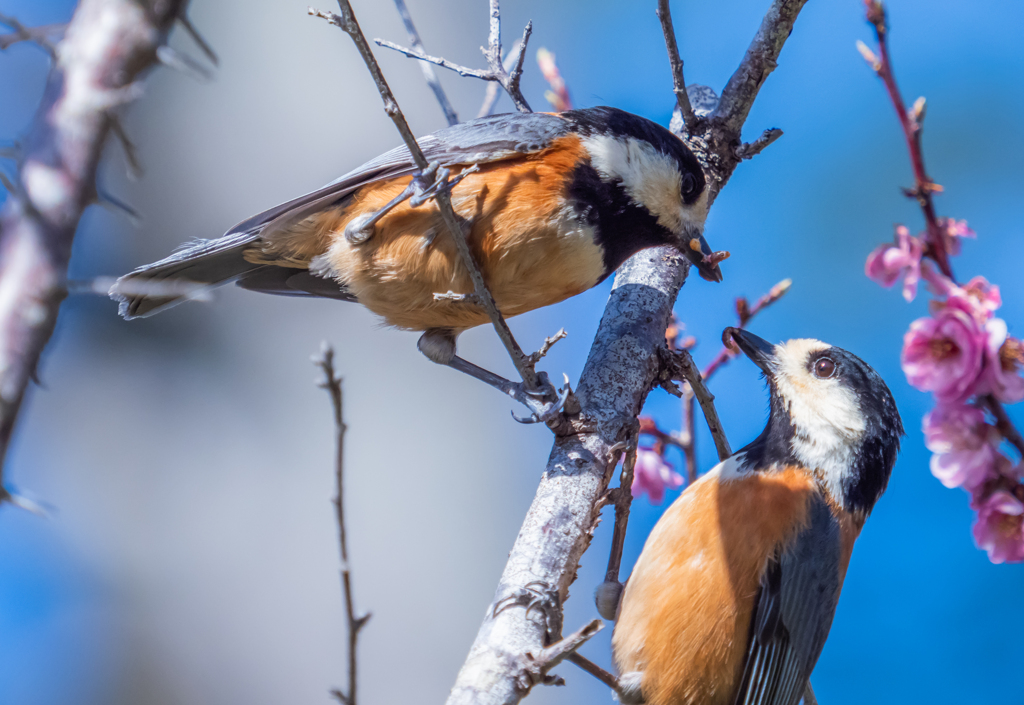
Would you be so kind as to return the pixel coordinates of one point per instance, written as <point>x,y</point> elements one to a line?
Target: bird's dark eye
<point>689,185</point>
<point>824,368</point>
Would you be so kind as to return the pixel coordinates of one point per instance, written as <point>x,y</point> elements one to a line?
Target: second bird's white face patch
<point>650,177</point>
<point>826,417</point>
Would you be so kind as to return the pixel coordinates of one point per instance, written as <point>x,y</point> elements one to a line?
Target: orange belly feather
<point>531,249</point>
<point>685,618</point>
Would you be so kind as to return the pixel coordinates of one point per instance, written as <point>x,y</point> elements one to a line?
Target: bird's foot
<point>607,598</point>
<point>424,185</point>
<point>535,595</point>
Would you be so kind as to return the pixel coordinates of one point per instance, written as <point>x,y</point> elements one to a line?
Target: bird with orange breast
<point>733,596</point>
<point>551,204</point>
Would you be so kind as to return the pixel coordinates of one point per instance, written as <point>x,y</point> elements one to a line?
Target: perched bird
<point>552,204</point>
<point>733,595</point>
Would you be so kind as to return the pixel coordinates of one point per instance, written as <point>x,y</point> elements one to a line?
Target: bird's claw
<point>544,404</point>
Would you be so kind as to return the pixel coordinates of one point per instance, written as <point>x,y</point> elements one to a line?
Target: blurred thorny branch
<point>104,53</point>
<point>354,624</point>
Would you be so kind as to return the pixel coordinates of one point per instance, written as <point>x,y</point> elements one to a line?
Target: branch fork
<point>507,78</point>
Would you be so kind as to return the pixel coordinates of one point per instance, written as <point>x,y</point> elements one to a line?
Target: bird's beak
<point>759,350</point>
<point>699,252</point>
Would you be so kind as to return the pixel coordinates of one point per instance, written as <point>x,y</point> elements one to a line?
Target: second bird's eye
<point>689,185</point>
<point>824,368</point>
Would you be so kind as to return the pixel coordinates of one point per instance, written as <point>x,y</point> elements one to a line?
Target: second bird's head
<point>653,187</point>
<point>830,413</point>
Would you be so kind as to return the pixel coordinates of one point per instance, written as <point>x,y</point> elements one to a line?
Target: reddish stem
<point>923,186</point>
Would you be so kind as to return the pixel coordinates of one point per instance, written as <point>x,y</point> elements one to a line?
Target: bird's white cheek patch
<point>649,176</point>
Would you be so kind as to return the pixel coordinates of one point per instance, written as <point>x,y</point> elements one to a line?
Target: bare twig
<point>745,313</point>
<point>558,96</point>
<point>428,73</point>
<point>676,64</point>
<point>622,496</point>
<point>553,655</point>
<point>924,187</point>
<point>760,60</point>
<point>41,35</point>
<point>750,150</point>
<point>680,367</point>
<point>1003,423</point>
<point>549,343</point>
<point>622,366</point>
<point>497,71</point>
<point>107,47</point>
<point>493,88</point>
<point>597,672</point>
<point>332,383</point>
<point>910,121</point>
<point>203,45</point>
<point>348,23</point>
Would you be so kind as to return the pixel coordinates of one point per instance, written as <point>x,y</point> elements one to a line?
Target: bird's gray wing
<point>489,139</point>
<point>793,613</point>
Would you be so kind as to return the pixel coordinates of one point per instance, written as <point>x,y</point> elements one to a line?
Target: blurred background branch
<point>354,624</point>
<point>108,46</point>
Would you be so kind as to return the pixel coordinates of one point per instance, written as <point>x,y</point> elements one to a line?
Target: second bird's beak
<point>700,254</point>
<point>759,350</point>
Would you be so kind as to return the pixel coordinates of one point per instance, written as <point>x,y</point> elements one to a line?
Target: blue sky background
<point>191,555</point>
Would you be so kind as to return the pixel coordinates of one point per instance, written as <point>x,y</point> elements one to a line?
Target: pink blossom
<point>998,527</point>
<point>952,231</point>
<point>888,263</point>
<point>943,354</point>
<point>652,475</point>
<point>1002,354</point>
<point>964,445</point>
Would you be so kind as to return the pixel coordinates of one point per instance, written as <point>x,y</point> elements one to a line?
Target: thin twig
<point>347,22</point>
<point>676,64</point>
<point>40,35</point>
<point>924,187</point>
<point>553,655</point>
<point>749,150</point>
<point>498,71</point>
<point>680,367</point>
<point>1003,423</point>
<point>623,498</point>
<point>558,96</point>
<point>332,383</point>
<point>596,671</point>
<point>745,314</point>
<point>493,88</point>
<point>428,73</point>
<point>910,122</point>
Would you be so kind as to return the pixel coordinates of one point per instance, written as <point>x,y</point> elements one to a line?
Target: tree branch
<point>40,35</point>
<point>428,72</point>
<point>507,76</point>
<point>676,64</point>
<point>108,46</point>
<point>332,383</point>
<point>622,366</point>
<point>760,60</point>
<point>679,366</point>
<point>347,22</point>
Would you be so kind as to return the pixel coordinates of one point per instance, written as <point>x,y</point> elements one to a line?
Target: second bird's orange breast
<point>685,616</point>
<point>530,244</point>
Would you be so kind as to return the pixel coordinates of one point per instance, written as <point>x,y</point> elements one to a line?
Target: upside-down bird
<point>551,205</point>
<point>733,596</point>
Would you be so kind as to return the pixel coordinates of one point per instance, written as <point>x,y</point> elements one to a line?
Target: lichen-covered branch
<point>622,366</point>
<point>97,67</point>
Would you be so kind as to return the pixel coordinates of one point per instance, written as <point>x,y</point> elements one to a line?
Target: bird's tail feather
<point>187,274</point>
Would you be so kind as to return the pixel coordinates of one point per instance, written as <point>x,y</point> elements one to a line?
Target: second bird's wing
<point>793,613</point>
